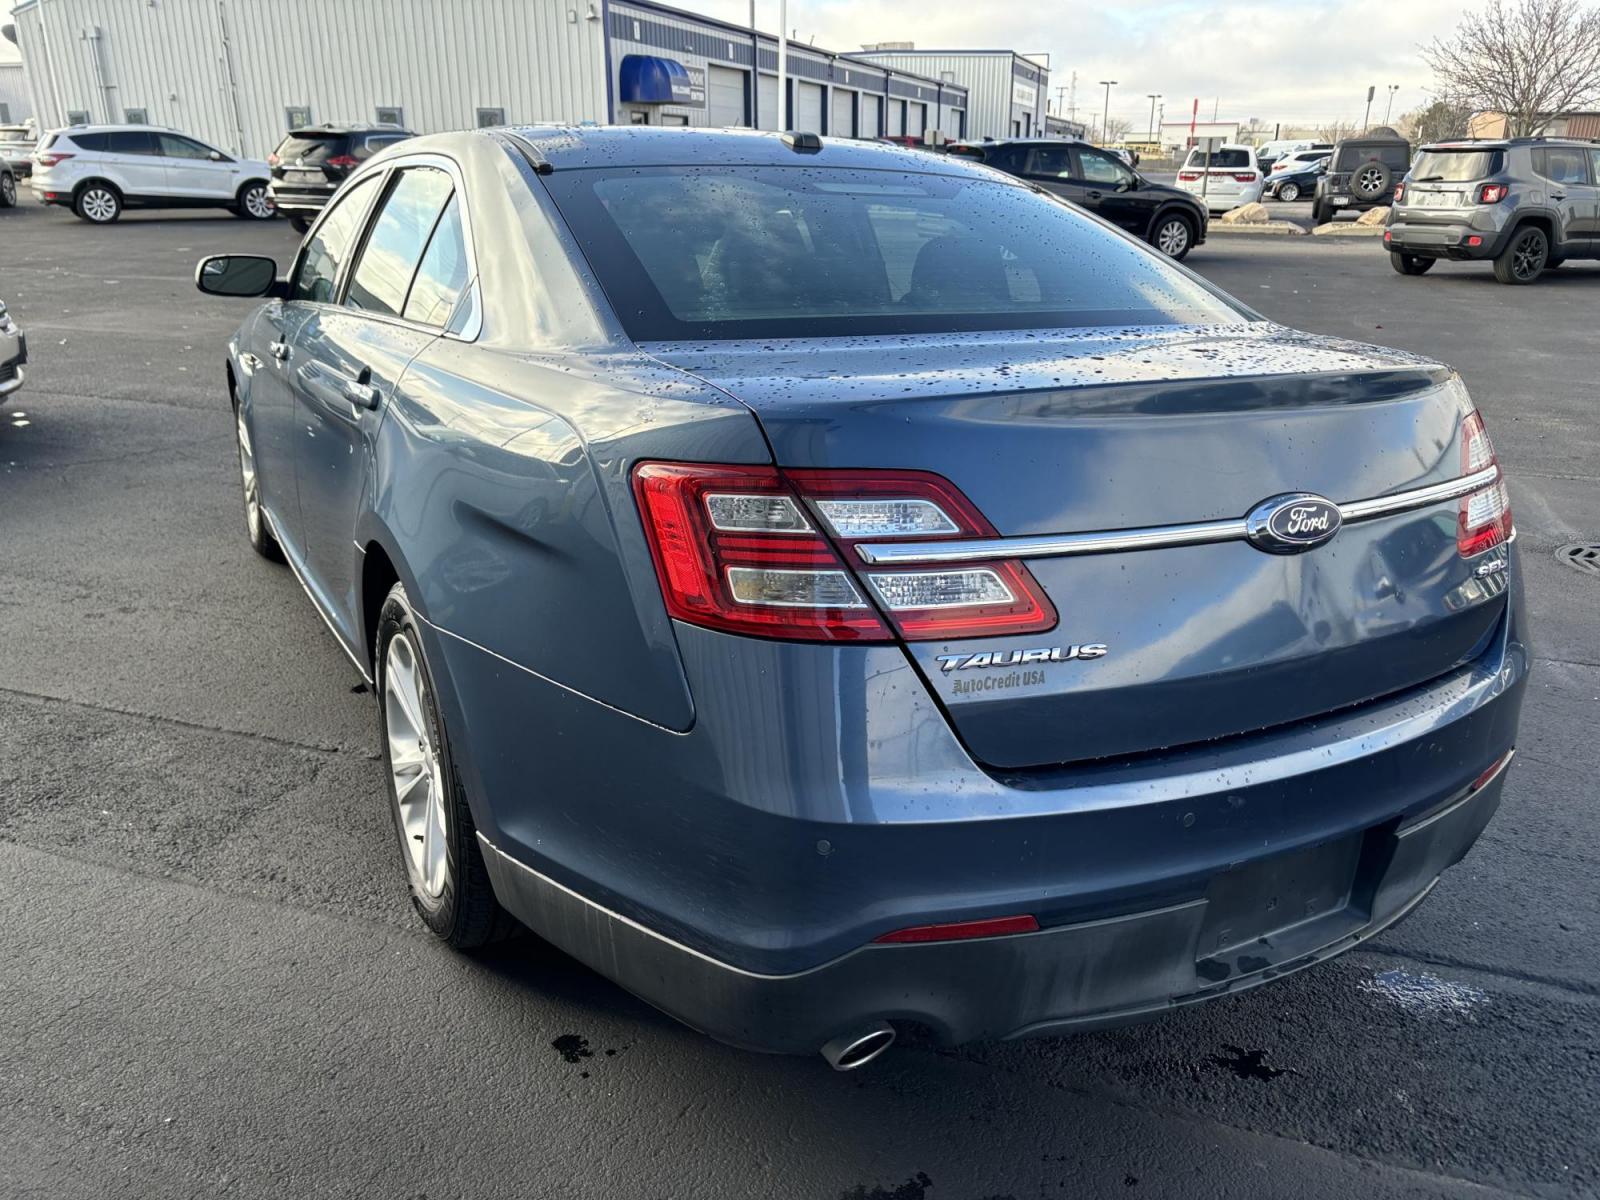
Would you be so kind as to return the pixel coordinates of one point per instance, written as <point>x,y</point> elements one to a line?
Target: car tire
<point>1288,192</point>
<point>254,203</point>
<point>1525,256</point>
<point>1410,264</point>
<point>255,520</point>
<point>98,203</point>
<point>444,865</point>
<point>1321,213</point>
<point>8,190</point>
<point>1173,235</point>
<point>300,224</point>
<point>1370,181</point>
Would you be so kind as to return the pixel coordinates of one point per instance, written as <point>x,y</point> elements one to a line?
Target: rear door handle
<point>1558,195</point>
<point>1096,195</point>
<point>360,392</point>
<point>280,351</point>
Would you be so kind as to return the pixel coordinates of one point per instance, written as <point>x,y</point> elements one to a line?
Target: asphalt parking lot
<point>212,983</point>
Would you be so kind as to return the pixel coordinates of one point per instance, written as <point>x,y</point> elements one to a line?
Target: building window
<point>391,116</point>
<point>5,113</point>
<point>488,117</point>
<point>136,116</point>
<point>674,119</point>
<point>77,116</point>
<point>947,76</point>
<point>298,116</point>
<point>638,116</point>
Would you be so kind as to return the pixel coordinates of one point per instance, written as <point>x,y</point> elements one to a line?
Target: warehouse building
<point>1007,93</point>
<point>238,73</point>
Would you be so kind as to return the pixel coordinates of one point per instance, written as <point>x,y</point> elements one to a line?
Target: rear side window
<point>371,145</point>
<point>317,275</point>
<point>173,146</point>
<point>737,252</point>
<point>90,143</point>
<point>1228,160</point>
<point>1455,166</point>
<point>313,148</point>
<point>1562,164</point>
<point>383,274</point>
<point>443,271</point>
<point>1054,162</point>
<point>130,141</point>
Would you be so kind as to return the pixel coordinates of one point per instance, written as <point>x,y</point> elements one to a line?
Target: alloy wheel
<point>8,188</point>
<point>1370,181</point>
<point>1289,192</point>
<point>414,768</point>
<point>1172,239</point>
<point>99,205</point>
<point>258,203</point>
<point>247,471</point>
<point>1527,260</point>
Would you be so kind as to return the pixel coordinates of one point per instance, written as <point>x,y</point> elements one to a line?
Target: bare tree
<point>1336,131</point>
<point>1532,60</point>
<point>1115,130</point>
<point>1436,122</point>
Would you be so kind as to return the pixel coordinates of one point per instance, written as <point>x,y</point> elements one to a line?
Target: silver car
<point>13,353</point>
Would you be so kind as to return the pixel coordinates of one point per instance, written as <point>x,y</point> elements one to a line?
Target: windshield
<point>1230,160</point>
<point>738,252</point>
<point>1454,166</point>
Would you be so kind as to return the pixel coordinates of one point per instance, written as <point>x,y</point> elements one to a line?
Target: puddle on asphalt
<point>1425,994</point>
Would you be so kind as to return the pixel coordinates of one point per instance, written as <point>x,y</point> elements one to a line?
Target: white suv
<point>97,169</point>
<point>1232,178</point>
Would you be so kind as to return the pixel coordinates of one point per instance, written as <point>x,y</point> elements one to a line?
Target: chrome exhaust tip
<point>859,1047</point>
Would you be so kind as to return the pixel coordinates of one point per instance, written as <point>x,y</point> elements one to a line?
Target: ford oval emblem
<point>1292,523</point>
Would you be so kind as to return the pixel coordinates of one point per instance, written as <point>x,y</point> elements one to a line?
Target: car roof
<point>567,147</point>
<point>329,127</point>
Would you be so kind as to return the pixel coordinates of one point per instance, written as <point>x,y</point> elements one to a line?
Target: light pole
<point>1149,138</point>
<point>1393,88</point>
<point>1366,117</point>
<point>1105,114</point>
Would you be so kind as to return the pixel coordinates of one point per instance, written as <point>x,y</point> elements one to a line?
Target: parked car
<point>310,163</point>
<point>1232,177</point>
<point>1361,174</point>
<point>98,170</point>
<point>8,187</point>
<point>16,149</point>
<point>1292,162</point>
<point>1524,204</point>
<point>13,354</point>
<point>870,594</point>
<point>1101,182</point>
<point>1291,185</point>
<point>1269,154</point>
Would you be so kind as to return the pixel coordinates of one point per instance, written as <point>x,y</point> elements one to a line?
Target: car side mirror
<point>239,275</point>
<point>215,156</point>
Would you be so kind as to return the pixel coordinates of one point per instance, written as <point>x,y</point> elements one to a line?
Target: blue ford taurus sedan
<point>832,589</point>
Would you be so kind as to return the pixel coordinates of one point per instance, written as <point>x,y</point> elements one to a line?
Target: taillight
<point>1246,177</point>
<point>273,159</point>
<point>1492,193</point>
<point>340,160</point>
<point>1484,520</point>
<point>1189,176</point>
<point>50,160</point>
<point>749,550</point>
<point>1399,191</point>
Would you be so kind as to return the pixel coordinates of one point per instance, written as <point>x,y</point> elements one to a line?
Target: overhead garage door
<point>867,124</point>
<point>725,96</point>
<point>917,119</point>
<point>843,123</point>
<point>896,124</point>
<point>807,107</point>
<point>767,111</point>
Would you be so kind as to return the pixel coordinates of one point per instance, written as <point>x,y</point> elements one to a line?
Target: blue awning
<point>647,79</point>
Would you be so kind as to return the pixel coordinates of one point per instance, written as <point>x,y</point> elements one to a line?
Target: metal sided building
<point>1007,93</point>
<point>240,73</point>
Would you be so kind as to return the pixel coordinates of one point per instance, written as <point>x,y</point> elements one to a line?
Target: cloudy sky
<point>1290,61</point>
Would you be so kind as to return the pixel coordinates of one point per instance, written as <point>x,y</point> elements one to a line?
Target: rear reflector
<point>751,550</point>
<point>961,930</point>
<point>1495,768</point>
<point>1484,518</point>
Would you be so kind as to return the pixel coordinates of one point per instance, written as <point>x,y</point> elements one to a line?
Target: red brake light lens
<point>1492,193</point>
<point>1189,176</point>
<point>1246,177</point>
<point>341,160</point>
<point>957,931</point>
<point>1399,191</point>
<point>50,160</point>
<point>273,159</point>
<point>1484,519</point>
<point>755,551</point>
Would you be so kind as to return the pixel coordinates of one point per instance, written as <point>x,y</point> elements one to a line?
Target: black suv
<point>1172,221</point>
<point>1524,203</point>
<point>1361,174</point>
<point>309,164</point>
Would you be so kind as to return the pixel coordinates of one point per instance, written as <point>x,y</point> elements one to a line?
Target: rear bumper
<point>1439,239</point>
<point>299,199</point>
<point>1067,978</point>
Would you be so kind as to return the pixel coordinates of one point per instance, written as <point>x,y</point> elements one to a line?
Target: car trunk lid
<point>1137,430</point>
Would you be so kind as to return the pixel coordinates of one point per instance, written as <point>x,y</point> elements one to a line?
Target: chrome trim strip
<point>1155,537</point>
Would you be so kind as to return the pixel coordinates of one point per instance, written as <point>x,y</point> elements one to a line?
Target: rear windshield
<point>312,148</point>
<point>741,252</point>
<point>1230,160</point>
<point>1454,166</point>
<point>1395,155</point>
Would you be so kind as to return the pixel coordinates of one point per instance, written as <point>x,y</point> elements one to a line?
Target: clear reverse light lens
<point>885,518</point>
<point>756,514</point>
<point>793,589</point>
<point>940,589</point>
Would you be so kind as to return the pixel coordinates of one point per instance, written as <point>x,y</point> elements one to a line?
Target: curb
<point>1348,229</point>
<point>1267,228</point>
